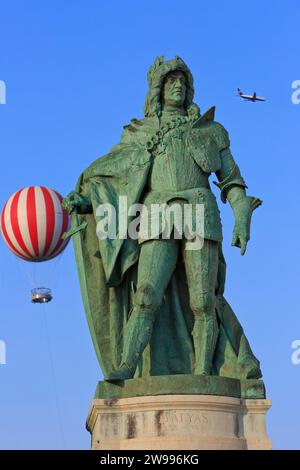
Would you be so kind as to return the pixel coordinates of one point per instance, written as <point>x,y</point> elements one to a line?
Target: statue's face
<point>174,89</point>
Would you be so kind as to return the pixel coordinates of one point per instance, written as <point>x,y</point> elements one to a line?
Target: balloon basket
<point>41,295</point>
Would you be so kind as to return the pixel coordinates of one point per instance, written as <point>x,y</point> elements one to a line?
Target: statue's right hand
<point>74,201</point>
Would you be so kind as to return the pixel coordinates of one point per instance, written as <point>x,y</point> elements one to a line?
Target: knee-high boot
<point>137,335</point>
<point>205,335</point>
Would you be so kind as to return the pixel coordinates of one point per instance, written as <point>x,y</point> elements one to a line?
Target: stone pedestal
<point>179,421</point>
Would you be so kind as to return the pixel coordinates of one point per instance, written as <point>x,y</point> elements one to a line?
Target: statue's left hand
<point>241,235</point>
<point>243,209</point>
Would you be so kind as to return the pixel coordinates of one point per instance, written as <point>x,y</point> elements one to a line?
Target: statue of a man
<point>155,307</point>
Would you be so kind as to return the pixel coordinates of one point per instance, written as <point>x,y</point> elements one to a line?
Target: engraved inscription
<point>172,420</point>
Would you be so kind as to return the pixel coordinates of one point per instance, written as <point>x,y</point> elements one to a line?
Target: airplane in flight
<point>253,97</point>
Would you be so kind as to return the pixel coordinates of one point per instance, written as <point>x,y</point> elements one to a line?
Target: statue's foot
<point>123,373</point>
<point>202,371</point>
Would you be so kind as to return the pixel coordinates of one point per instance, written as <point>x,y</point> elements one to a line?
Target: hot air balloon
<point>32,224</point>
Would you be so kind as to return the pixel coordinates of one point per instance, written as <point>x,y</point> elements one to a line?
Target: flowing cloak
<point>107,271</point>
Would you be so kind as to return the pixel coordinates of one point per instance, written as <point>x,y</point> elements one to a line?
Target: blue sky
<point>75,73</point>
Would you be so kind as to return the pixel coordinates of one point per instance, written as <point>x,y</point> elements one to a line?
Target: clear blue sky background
<point>76,73</point>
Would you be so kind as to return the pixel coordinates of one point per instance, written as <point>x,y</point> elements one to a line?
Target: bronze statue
<point>153,306</point>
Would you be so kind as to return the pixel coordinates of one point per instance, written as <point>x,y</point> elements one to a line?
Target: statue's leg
<point>201,271</point>
<point>156,264</point>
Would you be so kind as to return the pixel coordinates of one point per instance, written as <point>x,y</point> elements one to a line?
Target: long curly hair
<point>156,76</point>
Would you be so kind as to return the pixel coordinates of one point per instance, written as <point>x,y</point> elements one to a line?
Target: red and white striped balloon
<point>32,223</point>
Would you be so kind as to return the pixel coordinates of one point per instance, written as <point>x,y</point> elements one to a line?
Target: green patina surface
<point>156,310</point>
<point>181,385</point>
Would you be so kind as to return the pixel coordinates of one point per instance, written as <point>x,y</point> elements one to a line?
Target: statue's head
<point>174,89</point>
<point>170,82</point>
